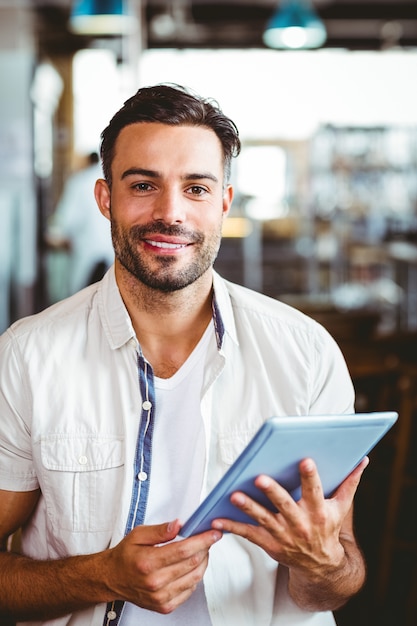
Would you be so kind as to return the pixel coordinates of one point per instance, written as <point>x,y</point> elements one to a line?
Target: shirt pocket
<point>82,480</point>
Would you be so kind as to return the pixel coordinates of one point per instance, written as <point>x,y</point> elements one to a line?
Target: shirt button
<point>111,615</point>
<point>83,460</point>
<point>146,405</point>
<point>142,476</point>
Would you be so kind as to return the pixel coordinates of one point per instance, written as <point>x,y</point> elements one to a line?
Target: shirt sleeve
<point>332,387</point>
<point>16,468</point>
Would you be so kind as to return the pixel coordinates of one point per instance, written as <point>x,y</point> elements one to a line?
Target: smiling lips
<point>165,245</point>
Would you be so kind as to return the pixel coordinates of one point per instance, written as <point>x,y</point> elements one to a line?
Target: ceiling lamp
<point>294,26</point>
<point>101,17</point>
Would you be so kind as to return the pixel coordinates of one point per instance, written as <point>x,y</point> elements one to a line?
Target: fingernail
<point>264,481</point>
<point>239,499</point>
<point>217,525</point>
<point>171,525</point>
<point>308,465</point>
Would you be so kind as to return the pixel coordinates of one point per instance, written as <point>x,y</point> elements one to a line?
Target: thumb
<point>157,533</point>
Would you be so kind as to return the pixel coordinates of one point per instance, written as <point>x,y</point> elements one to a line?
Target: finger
<point>311,487</point>
<point>159,568</point>
<point>279,497</point>
<point>163,591</point>
<point>176,558</point>
<point>281,501</point>
<point>252,532</point>
<point>261,516</point>
<point>168,595</point>
<point>171,603</point>
<point>155,534</point>
<point>186,552</point>
<point>347,489</point>
<point>137,568</point>
<point>160,534</point>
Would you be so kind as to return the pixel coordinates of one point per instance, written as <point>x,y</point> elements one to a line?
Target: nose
<point>169,206</point>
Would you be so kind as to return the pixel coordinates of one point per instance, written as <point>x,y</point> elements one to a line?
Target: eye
<point>142,186</point>
<point>197,190</point>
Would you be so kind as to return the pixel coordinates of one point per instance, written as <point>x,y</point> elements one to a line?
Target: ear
<point>227,200</point>
<point>103,197</point>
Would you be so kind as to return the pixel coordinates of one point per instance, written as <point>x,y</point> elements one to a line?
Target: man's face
<point>167,202</point>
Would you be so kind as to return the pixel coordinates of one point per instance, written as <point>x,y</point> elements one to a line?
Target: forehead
<point>152,143</point>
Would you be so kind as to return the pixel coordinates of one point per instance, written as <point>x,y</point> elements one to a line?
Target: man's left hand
<point>312,537</point>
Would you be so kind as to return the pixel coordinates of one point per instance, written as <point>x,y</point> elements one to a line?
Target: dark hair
<point>172,105</point>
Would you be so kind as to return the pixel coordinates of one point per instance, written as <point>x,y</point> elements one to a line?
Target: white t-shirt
<point>174,490</point>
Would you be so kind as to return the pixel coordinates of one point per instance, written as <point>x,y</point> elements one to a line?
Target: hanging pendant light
<point>294,26</point>
<point>101,17</point>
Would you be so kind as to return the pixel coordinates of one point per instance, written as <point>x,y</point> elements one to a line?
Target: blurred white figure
<point>78,225</point>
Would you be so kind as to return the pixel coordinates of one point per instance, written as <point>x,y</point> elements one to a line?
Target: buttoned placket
<point>142,468</point>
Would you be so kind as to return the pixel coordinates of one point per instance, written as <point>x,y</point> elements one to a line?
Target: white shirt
<point>70,405</point>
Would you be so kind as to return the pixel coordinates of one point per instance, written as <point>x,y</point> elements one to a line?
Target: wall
<point>17,188</point>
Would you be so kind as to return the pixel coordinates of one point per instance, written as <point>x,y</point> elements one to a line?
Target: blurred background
<point>325,218</point>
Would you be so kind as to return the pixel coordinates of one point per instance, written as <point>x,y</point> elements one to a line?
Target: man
<point>123,405</point>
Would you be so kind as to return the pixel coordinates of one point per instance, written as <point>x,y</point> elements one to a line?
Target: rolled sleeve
<point>16,468</point>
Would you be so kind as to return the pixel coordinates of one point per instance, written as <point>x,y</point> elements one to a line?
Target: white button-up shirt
<point>70,408</point>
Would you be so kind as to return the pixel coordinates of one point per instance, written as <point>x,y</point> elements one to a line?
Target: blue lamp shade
<point>294,26</point>
<point>101,17</point>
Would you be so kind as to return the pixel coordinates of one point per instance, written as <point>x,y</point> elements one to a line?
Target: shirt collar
<point>223,316</point>
<point>118,326</point>
<point>115,318</point>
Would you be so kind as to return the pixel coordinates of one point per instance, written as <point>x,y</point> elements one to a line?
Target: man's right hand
<point>148,568</point>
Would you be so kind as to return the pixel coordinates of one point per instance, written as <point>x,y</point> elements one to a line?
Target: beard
<point>166,277</point>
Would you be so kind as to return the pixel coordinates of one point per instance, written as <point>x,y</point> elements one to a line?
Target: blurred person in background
<point>77,227</point>
<point>121,406</point>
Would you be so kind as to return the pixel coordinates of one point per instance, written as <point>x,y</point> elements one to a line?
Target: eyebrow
<point>135,171</point>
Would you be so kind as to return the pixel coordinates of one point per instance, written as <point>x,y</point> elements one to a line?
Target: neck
<point>168,326</point>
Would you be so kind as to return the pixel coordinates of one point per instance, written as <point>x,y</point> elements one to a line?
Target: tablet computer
<point>337,444</point>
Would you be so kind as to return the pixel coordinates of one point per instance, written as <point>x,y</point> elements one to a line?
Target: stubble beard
<point>166,278</point>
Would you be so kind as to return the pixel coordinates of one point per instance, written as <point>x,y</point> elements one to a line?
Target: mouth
<point>165,240</point>
<point>165,245</point>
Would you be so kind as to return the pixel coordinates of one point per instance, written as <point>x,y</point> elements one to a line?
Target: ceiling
<point>351,24</point>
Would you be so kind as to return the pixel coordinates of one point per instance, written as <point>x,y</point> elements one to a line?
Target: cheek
<point>209,227</point>
<point>126,210</point>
